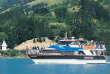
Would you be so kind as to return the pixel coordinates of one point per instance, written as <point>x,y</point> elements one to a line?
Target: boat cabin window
<point>81,53</point>
<point>74,43</point>
<point>67,42</point>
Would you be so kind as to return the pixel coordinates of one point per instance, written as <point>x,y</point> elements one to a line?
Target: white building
<point>4,45</point>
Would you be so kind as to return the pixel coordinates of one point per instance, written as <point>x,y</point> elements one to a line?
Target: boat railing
<point>35,51</point>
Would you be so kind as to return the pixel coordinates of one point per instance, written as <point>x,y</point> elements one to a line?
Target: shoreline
<point>16,57</point>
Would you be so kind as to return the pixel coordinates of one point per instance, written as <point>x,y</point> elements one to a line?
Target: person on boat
<point>91,42</point>
<point>33,49</point>
<point>27,49</point>
<point>37,51</point>
<point>100,44</point>
<point>67,44</point>
<point>81,45</point>
<point>37,47</point>
<point>30,50</point>
<point>101,53</point>
<point>96,43</point>
<point>103,44</point>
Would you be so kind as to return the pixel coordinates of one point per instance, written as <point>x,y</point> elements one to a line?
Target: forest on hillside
<point>89,19</point>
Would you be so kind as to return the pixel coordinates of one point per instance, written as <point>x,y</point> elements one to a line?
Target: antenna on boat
<point>65,35</point>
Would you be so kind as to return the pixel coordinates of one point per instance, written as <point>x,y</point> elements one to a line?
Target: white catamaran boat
<point>69,52</point>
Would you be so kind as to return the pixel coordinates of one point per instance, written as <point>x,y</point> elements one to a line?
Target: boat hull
<point>67,59</point>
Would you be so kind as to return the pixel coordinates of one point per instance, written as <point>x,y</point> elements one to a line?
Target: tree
<point>41,11</point>
<point>60,13</point>
<point>3,36</point>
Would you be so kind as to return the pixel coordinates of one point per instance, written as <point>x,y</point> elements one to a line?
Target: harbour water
<point>27,66</point>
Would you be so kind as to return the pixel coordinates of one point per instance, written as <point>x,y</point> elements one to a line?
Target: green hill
<point>22,20</point>
<point>49,2</point>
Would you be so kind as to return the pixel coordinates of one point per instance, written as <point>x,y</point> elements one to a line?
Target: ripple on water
<point>27,66</point>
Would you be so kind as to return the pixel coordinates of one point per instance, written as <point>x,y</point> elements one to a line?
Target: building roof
<point>4,43</point>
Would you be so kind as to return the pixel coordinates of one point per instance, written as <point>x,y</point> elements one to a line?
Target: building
<point>4,45</point>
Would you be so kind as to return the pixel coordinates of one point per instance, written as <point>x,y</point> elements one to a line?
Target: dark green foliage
<point>3,36</point>
<point>34,41</point>
<point>50,34</point>
<point>23,51</point>
<point>43,39</point>
<point>106,2</point>
<point>62,32</point>
<point>60,13</point>
<point>57,40</point>
<point>39,39</point>
<point>6,53</point>
<point>94,9</point>
<point>13,52</point>
<point>41,11</point>
<point>2,51</point>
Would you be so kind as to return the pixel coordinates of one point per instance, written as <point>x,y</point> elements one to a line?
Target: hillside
<point>31,4</point>
<point>49,2</point>
<point>22,20</point>
<point>31,44</point>
<point>6,4</point>
<point>25,4</point>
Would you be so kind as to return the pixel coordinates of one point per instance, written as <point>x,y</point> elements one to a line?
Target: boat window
<point>81,53</point>
<point>74,43</point>
<point>67,42</point>
<point>62,42</point>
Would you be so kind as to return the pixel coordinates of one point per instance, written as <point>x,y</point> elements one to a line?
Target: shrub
<point>6,53</point>
<point>13,52</point>
<point>23,51</point>
<point>43,39</point>
<point>1,51</point>
<point>34,41</point>
<point>39,39</point>
<point>57,40</point>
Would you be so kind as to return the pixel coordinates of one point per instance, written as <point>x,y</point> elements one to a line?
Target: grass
<point>49,2</point>
<point>5,10</point>
<point>53,14</point>
<point>95,0</point>
<point>105,6</point>
<point>76,9</point>
<point>95,20</point>
<point>58,25</point>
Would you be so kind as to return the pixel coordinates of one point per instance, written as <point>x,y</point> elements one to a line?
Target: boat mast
<point>66,35</point>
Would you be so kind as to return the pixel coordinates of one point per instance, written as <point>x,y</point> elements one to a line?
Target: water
<point>27,66</point>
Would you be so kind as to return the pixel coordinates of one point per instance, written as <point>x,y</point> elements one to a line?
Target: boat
<point>71,51</point>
